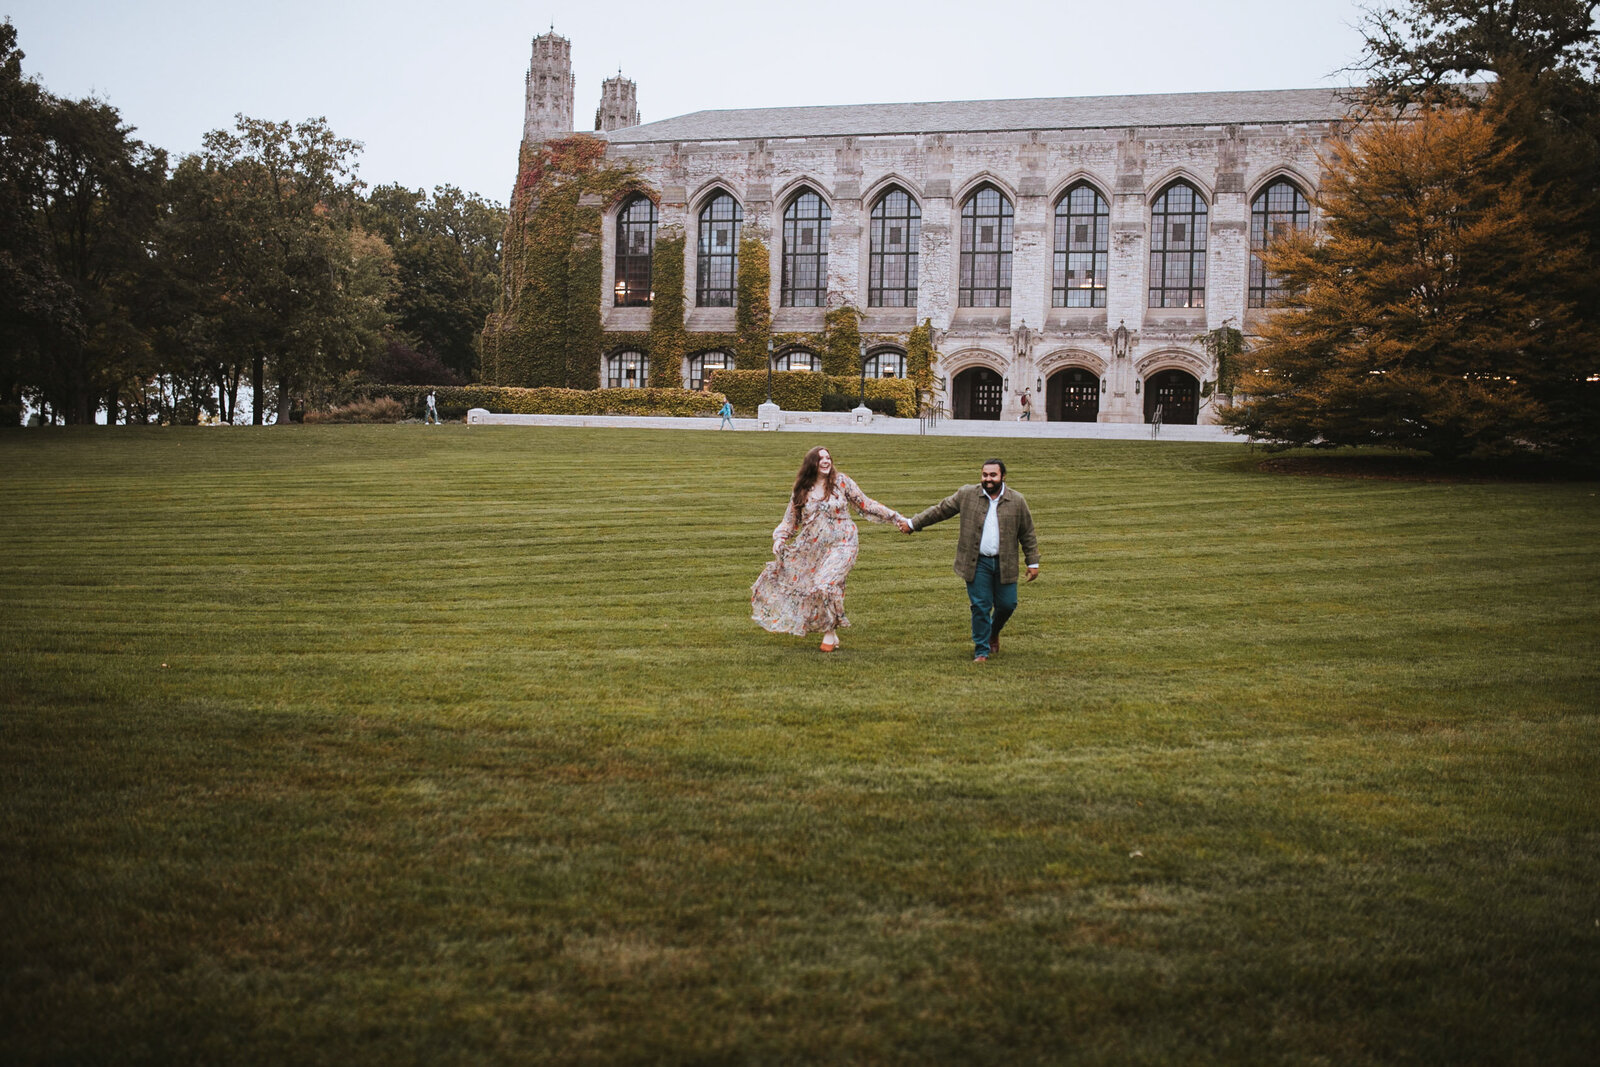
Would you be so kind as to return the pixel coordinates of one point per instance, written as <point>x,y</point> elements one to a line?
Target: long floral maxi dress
<point>802,590</point>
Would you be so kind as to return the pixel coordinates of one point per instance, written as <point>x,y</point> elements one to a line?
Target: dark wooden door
<point>978,394</point>
<point>1072,395</point>
<point>1178,393</point>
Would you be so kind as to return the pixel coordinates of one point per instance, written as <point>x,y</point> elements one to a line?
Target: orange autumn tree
<point>1426,312</point>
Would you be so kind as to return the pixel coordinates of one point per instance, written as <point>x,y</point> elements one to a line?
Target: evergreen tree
<point>1429,312</point>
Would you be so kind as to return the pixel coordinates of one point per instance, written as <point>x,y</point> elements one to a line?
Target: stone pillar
<point>1127,286</point>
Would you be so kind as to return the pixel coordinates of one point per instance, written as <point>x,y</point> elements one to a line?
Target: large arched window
<point>702,364</point>
<point>628,370</point>
<point>805,252</point>
<point>892,252</point>
<point>1083,240</point>
<point>986,249</point>
<point>1279,210</point>
<point>797,359</point>
<point>1178,224</point>
<point>636,243</point>
<point>886,363</point>
<point>718,269</point>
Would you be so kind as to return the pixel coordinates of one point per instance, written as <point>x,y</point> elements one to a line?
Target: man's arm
<point>941,511</point>
<point>1030,543</point>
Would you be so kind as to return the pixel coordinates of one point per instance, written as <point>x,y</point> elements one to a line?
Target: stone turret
<point>551,101</point>
<point>619,104</point>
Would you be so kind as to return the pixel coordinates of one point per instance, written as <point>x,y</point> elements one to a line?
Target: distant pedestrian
<point>433,411</point>
<point>726,411</point>
<point>1027,407</point>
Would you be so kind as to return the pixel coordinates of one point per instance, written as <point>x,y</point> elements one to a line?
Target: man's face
<point>991,478</point>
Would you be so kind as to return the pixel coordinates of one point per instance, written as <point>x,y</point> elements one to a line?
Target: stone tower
<point>619,104</point>
<point>551,90</point>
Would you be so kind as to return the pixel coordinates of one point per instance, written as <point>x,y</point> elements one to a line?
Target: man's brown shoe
<point>994,645</point>
<point>980,659</point>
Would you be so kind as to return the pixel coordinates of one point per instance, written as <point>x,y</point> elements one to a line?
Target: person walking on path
<point>432,418</point>
<point>802,590</point>
<point>1027,407</point>
<point>994,521</point>
<point>726,411</point>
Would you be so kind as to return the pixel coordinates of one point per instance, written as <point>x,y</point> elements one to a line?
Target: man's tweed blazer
<point>1016,527</point>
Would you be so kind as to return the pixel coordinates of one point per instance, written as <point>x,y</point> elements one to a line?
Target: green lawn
<point>406,745</point>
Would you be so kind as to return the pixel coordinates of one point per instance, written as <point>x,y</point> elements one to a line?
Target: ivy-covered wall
<point>841,341</point>
<point>752,312</point>
<point>546,330</point>
<point>669,341</point>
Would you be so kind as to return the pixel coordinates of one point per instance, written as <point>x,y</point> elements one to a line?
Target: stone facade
<point>1228,148</point>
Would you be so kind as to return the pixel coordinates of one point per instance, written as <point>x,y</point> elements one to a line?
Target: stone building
<point>1074,249</point>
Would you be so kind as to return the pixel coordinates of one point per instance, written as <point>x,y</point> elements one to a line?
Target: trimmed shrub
<point>454,402</point>
<point>376,409</point>
<point>792,390</point>
<point>893,394</point>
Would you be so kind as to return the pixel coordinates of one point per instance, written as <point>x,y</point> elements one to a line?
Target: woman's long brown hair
<point>808,476</point>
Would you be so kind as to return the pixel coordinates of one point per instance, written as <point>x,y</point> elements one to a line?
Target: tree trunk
<point>284,403</point>
<point>258,388</point>
<point>113,399</point>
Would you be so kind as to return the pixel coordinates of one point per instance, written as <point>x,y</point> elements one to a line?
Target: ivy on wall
<point>546,329</point>
<point>669,340</point>
<point>919,356</point>
<point>841,340</point>
<point>1224,345</point>
<point>752,311</point>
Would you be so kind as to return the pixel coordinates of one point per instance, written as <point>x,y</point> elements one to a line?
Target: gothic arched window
<point>888,363</point>
<point>1279,210</point>
<point>1083,239</point>
<point>636,243</point>
<point>718,268</point>
<point>805,252</point>
<point>797,359</point>
<point>1178,224</point>
<point>703,363</point>
<point>628,370</point>
<point>892,252</point>
<point>986,249</point>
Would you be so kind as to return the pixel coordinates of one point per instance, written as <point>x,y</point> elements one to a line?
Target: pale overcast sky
<point>435,90</point>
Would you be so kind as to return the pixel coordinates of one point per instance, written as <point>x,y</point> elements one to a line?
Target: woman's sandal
<point>829,648</point>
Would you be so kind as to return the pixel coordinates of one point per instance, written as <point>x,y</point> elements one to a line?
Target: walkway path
<point>844,422</point>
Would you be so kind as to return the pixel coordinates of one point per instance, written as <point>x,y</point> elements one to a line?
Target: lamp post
<point>769,370</point>
<point>863,373</point>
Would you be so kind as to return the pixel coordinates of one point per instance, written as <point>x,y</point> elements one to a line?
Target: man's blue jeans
<point>992,603</point>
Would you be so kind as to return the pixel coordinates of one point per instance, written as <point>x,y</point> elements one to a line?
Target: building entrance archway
<point>978,394</point>
<point>1177,393</point>
<point>1072,395</point>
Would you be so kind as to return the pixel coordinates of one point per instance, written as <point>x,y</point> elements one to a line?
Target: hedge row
<point>799,390</point>
<point>455,401</point>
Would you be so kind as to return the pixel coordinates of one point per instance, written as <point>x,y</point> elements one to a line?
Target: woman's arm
<point>786,528</point>
<point>867,506</point>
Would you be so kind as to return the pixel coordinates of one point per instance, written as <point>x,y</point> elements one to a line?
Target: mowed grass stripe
<point>465,750</point>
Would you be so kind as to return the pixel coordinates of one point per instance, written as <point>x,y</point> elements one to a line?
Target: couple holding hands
<point>802,590</point>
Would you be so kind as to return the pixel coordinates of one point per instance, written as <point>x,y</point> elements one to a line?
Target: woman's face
<point>824,463</point>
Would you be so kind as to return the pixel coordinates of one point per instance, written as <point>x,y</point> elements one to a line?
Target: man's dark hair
<point>996,463</point>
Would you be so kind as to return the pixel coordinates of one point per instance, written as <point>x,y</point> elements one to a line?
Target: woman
<point>802,591</point>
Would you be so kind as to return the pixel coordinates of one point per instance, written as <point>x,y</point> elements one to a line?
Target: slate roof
<point>1050,113</point>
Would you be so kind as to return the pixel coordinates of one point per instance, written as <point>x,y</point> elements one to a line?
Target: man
<point>994,521</point>
<point>726,411</point>
<point>432,418</point>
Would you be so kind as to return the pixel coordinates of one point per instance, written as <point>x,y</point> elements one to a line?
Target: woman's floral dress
<point>802,590</point>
